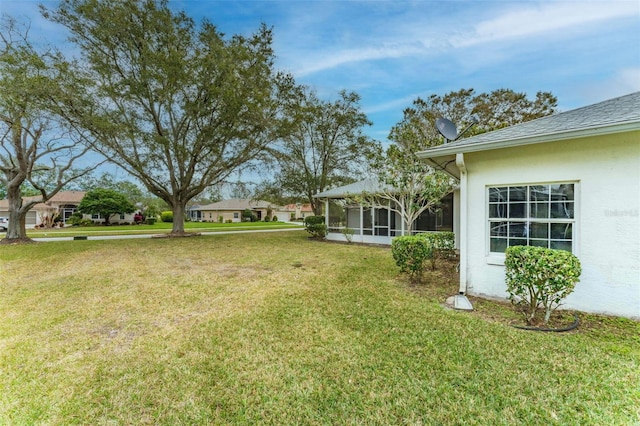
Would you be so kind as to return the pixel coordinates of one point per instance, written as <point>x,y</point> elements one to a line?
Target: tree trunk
<point>316,206</point>
<point>17,215</point>
<point>178,219</point>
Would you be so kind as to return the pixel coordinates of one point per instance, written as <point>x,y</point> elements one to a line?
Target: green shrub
<point>348,234</point>
<point>315,226</point>
<point>220,219</point>
<point>266,219</point>
<point>538,279</point>
<point>274,219</point>
<point>248,216</point>
<point>75,219</point>
<point>410,254</point>
<point>166,216</point>
<point>150,220</point>
<point>443,246</point>
<point>228,221</point>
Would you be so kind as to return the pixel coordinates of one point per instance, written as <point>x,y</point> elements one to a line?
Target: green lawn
<point>277,329</point>
<point>157,228</point>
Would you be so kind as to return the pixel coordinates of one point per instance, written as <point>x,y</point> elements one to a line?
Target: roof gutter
<point>452,149</point>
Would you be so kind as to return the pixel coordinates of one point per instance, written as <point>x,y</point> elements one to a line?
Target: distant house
<point>569,181</point>
<point>63,204</point>
<point>230,210</point>
<point>294,211</point>
<point>379,224</point>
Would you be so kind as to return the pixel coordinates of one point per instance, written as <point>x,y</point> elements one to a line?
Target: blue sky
<point>392,52</point>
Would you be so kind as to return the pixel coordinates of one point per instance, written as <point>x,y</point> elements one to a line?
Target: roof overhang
<point>443,157</point>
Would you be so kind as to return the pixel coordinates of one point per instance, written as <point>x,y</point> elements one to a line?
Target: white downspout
<point>463,222</point>
<point>326,213</point>
<point>460,300</point>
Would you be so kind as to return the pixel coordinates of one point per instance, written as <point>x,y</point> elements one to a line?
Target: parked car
<point>4,223</point>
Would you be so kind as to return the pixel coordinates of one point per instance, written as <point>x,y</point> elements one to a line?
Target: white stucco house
<point>569,181</point>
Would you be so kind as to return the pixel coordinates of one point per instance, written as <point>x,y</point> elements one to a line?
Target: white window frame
<point>528,219</point>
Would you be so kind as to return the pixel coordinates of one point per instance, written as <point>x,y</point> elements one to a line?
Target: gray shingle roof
<point>608,116</point>
<point>367,185</point>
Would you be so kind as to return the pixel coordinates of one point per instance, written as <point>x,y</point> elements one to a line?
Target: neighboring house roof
<point>371,185</point>
<point>68,197</point>
<point>61,198</point>
<point>235,204</point>
<point>616,115</point>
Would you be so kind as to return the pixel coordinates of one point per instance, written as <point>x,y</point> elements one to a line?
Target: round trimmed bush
<point>538,279</point>
<point>166,216</point>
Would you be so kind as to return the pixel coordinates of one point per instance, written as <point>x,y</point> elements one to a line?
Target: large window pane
<point>560,245</point>
<point>498,194</point>
<point>498,245</point>
<point>561,231</point>
<point>517,242</point>
<point>562,210</point>
<point>517,210</point>
<point>517,193</point>
<point>498,210</point>
<point>353,219</point>
<point>539,230</point>
<point>382,217</point>
<point>367,221</point>
<point>517,229</point>
<point>499,229</point>
<point>539,210</point>
<point>539,193</point>
<point>561,192</point>
<point>539,243</point>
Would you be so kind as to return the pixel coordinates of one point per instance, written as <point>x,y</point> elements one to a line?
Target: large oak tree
<point>38,147</point>
<point>326,148</point>
<point>484,112</point>
<point>175,103</point>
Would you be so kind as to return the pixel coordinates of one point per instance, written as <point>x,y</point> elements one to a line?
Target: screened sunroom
<point>378,224</point>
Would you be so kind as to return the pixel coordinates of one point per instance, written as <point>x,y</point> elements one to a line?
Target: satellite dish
<point>447,129</point>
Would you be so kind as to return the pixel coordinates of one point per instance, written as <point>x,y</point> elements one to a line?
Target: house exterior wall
<point>212,215</point>
<point>114,219</point>
<point>606,171</point>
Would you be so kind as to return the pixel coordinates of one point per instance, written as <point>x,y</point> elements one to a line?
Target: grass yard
<point>277,329</point>
<point>157,228</point>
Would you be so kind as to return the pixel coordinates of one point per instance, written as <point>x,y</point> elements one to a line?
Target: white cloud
<point>418,33</point>
<point>623,82</point>
<point>333,59</point>
<point>398,104</point>
<point>546,18</point>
